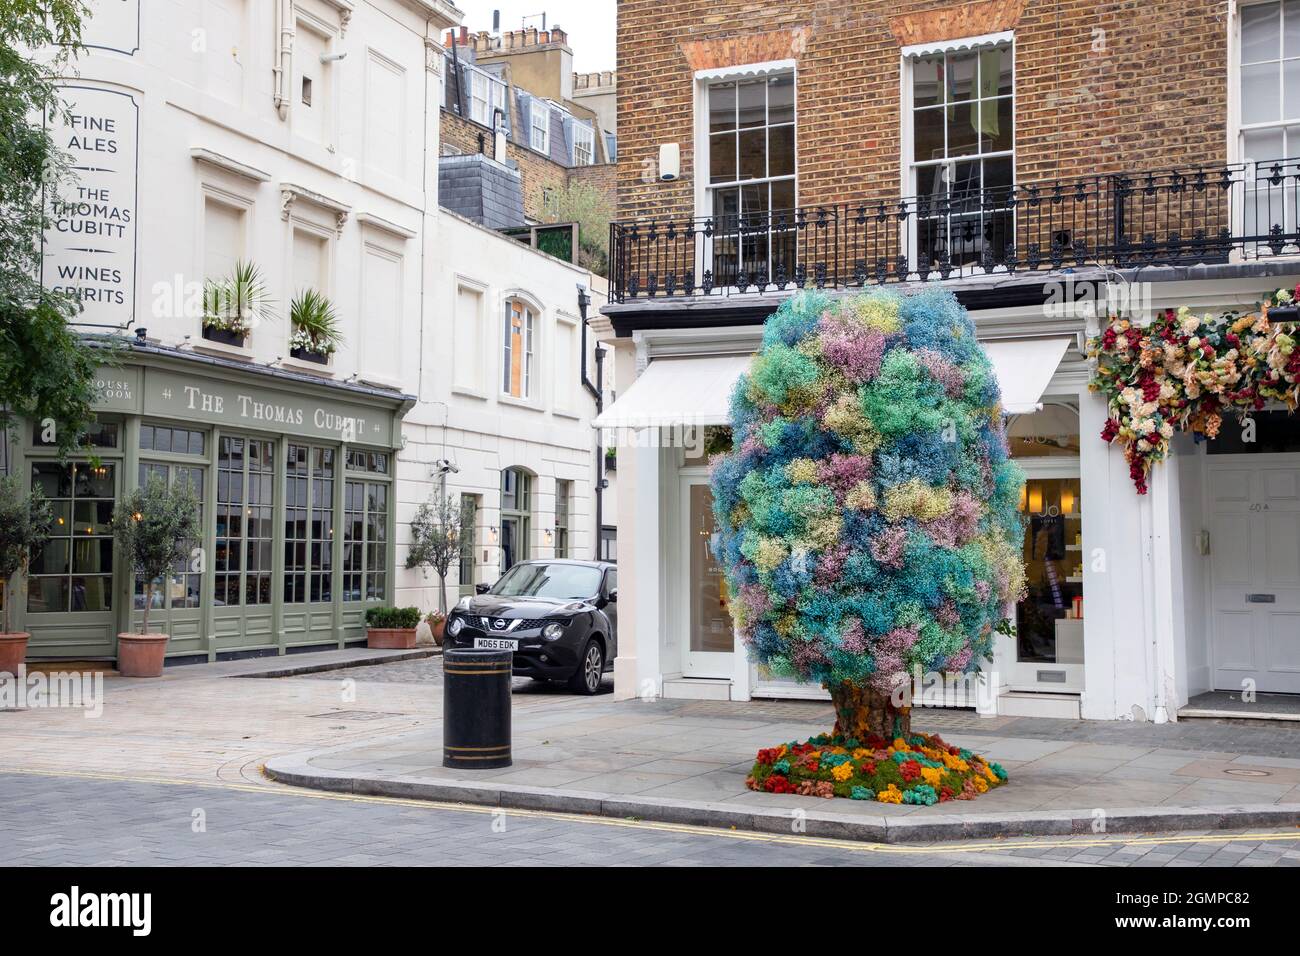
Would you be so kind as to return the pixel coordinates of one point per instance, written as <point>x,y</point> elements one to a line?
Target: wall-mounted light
<point>1035,499</point>
<point>1067,501</point>
<point>493,536</point>
<point>548,537</point>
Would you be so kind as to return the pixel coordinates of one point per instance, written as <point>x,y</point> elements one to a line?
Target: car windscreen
<point>565,582</point>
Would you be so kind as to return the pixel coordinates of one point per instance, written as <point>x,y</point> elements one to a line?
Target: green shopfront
<point>296,480</point>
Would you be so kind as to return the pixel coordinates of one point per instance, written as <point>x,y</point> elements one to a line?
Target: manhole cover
<point>355,715</point>
<point>1249,773</point>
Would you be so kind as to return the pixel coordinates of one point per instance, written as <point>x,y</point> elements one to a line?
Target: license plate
<point>495,644</point>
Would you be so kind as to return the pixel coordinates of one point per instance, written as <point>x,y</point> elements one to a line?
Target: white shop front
<point>1134,605</point>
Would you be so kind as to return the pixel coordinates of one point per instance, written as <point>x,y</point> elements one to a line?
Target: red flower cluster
<point>778,784</point>
<point>768,755</point>
<point>910,770</point>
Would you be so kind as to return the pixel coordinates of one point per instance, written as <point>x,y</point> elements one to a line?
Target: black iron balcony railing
<point>1174,217</point>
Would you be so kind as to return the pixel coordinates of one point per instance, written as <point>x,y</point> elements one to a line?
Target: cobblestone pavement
<point>62,820</point>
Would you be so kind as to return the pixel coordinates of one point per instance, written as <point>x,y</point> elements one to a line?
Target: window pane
<point>1263,144</point>
<point>927,134</point>
<point>146,437</point>
<point>1260,31</point>
<point>751,102</point>
<point>780,98</point>
<point>722,157</point>
<point>1291,88</point>
<point>1291,28</point>
<point>1260,96</point>
<point>962,124</point>
<point>54,480</point>
<point>780,151</point>
<point>753,154</point>
<point>722,107</point>
<point>995,125</point>
<point>783,195</point>
<point>927,81</point>
<point>961,76</point>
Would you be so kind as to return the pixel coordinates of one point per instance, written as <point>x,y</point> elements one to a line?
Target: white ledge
<point>233,166</point>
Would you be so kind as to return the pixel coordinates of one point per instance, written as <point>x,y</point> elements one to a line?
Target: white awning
<point>671,391</point>
<point>1024,367</point>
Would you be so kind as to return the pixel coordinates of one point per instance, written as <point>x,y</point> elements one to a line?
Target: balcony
<point>1202,215</point>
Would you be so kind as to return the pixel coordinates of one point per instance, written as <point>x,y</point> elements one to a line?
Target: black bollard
<point>476,709</point>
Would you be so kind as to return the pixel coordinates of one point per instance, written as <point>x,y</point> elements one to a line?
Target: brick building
<point>520,85</point>
<point>1023,155</point>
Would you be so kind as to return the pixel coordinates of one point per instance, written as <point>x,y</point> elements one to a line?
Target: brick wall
<point>1123,84</point>
<point>539,174</point>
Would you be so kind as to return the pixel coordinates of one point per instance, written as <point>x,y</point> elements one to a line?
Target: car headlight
<point>553,631</point>
<point>456,626</point>
<point>463,603</point>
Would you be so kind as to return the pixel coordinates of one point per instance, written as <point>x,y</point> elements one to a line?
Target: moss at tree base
<point>918,769</point>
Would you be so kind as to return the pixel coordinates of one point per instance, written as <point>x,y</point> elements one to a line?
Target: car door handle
<point>1261,598</point>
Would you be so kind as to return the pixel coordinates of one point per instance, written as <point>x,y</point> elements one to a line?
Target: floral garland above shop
<point>1183,372</point>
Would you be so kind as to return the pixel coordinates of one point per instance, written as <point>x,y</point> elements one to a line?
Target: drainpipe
<point>598,393</point>
<point>283,68</point>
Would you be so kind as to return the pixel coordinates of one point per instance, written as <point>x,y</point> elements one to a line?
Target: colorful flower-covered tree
<point>868,511</point>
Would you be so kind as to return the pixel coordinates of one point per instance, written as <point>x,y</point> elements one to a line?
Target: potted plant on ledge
<point>25,522</point>
<point>152,525</point>
<point>234,305</point>
<point>391,628</point>
<point>316,333</point>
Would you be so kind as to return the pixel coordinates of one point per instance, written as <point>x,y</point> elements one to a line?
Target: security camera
<point>444,465</point>
<point>331,57</point>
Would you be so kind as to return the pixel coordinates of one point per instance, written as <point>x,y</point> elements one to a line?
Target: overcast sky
<point>589,24</point>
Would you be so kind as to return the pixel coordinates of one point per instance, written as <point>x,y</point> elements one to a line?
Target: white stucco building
<point>300,137</point>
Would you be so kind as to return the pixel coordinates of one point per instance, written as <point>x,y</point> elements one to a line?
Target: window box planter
<point>308,355</point>
<point>391,628</point>
<point>224,336</point>
<point>13,651</point>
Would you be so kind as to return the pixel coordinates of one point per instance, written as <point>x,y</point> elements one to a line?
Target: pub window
<point>365,541</point>
<point>309,525</point>
<point>177,441</point>
<point>373,462</point>
<point>98,435</point>
<point>517,350</point>
<point>563,496</point>
<point>183,587</point>
<point>74,570</point>
<point>245,502</point>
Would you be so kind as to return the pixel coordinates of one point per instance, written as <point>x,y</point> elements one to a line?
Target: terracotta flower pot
<point>13,651</point>
<point>141,655</point>
<point>438,631</point>
<point>390,638</point>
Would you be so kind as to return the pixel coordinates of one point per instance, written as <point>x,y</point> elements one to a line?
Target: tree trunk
<point>861,712</point>
<point>442,592</point>
<point>148,599</point>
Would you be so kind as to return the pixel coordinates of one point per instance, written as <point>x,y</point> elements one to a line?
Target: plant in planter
<point>435,622</point>
<point>25,522</point>
<point>235,304</point>
<point>152,526</point>
<point>869,532</point>
<point>437,530</point>
<point>391,628</point>
<point>316,334</point>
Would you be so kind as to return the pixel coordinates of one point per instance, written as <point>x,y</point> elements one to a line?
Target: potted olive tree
<point>233,305</point>
<point>152,526</point>
<point>437,531</point>
<point>316,334</point>
<point>25,522</point>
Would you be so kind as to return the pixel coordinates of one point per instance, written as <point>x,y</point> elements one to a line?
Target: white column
<point>637,670</point>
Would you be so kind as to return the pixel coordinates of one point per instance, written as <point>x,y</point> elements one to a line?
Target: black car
<point>559,617</point>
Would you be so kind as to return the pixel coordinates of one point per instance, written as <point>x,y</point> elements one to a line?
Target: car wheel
<point>586,679</point>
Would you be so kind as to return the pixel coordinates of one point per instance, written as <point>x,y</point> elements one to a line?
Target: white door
<point>1254,525</point>
<point>710,638</point>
